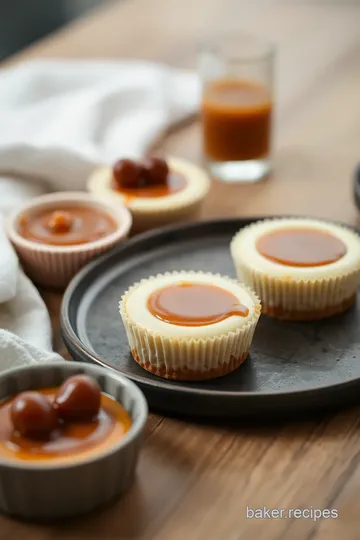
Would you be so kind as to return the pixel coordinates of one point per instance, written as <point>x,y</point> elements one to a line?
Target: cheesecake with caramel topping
<point>302,269</point>
<point>156,191</point>
<point>189,325</point>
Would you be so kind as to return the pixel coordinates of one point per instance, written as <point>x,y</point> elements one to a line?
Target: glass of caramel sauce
<point>236,107</point>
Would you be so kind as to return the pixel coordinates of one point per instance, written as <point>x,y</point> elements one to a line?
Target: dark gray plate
<point>293,367</point>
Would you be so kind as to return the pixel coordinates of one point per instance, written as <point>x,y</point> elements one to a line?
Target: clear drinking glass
<point>236,108</point>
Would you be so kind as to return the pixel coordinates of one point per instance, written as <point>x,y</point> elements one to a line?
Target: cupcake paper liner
<point>302,300</point>
<point>189,358</point>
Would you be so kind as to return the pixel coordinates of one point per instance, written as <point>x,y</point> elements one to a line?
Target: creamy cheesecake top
<point>299,248</point>
<point>190,305</point>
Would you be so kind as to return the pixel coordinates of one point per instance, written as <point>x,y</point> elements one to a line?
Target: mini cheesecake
<point>189,325</point>
<point>302,269</point>
<point>154,196</point>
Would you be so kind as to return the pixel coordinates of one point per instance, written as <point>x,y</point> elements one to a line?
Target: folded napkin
<point>60,119</point>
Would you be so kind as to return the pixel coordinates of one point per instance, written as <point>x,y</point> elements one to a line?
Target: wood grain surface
<point>194,481</point>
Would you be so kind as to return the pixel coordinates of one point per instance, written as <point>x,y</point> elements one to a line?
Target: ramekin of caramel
<point>70,435</point>
<point>55,235</point>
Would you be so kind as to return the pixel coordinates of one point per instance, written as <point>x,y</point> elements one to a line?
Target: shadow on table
<point>23,22</point>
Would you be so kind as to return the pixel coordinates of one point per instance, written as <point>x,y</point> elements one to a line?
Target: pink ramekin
<point>54,266</point>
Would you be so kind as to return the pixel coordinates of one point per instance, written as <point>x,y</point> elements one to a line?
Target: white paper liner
<point>189,358</point>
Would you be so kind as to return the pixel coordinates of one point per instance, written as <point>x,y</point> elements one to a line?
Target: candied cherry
<point>156,170</point>
<point>127,173</point>
<point>32,415</point>
<point>60,222</point>
<point>78,398</point>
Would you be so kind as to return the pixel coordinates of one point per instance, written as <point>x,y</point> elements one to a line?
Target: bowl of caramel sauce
<point>70,436</point>
<point>55,235</point>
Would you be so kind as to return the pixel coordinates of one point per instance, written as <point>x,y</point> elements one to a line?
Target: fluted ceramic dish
<point>54,266</point>
<point>36,490</point>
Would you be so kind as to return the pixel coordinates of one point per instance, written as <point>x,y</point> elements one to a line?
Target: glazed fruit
<point>78,398</point>
<point>32,415</point>
<point>156,170</point>
<point>127,173</point>
<point>60,222</point>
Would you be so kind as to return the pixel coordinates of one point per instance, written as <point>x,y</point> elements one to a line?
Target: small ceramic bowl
<point>55,265</point>
<point>34,490</point>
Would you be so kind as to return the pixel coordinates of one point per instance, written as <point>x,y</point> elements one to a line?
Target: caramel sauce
<point>175,182</point>
<point>301,247</point>
<point>236,116</point>
<point>194,304</point>
<point>84,224</point>
<point>69,439</point>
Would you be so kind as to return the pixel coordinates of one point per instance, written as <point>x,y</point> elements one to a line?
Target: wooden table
<point>195,482</point>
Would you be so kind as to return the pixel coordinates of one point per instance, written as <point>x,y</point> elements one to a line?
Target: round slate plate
<point>292,367</point>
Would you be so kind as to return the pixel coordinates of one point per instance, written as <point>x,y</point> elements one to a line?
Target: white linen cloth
<point>58,120</point>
